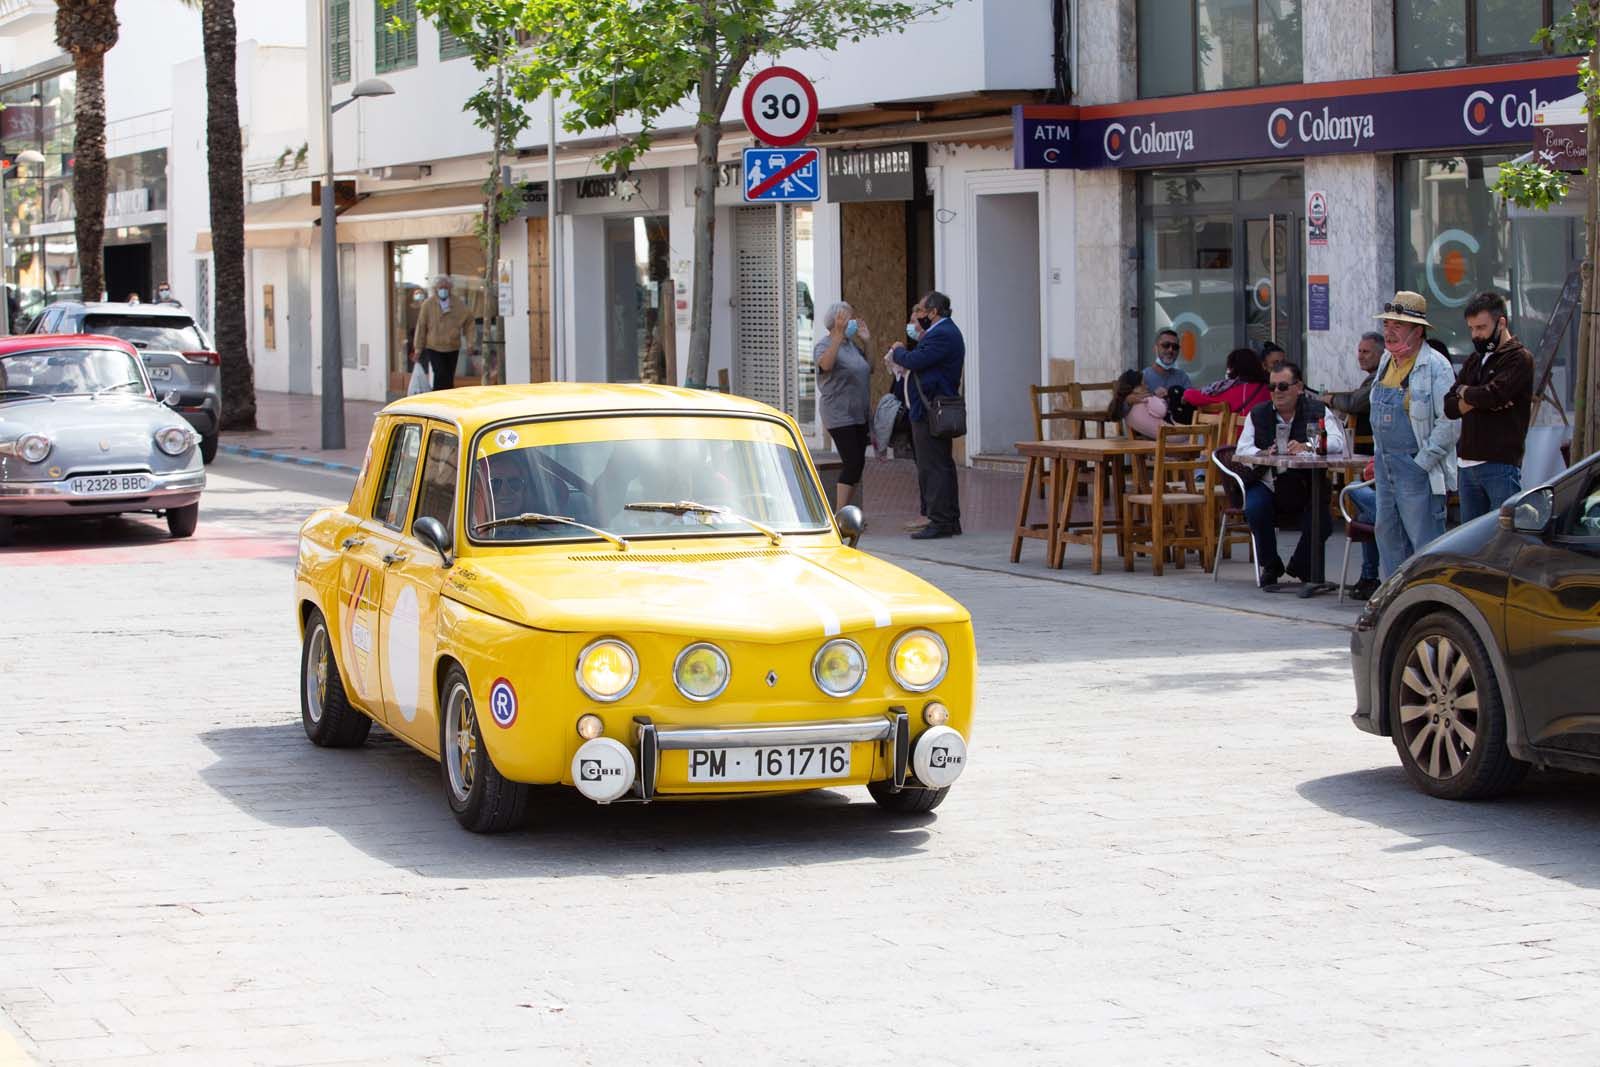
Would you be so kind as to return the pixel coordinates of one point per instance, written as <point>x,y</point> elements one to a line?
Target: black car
<point>1478,654</point>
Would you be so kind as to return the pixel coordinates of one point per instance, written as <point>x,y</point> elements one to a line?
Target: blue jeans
<point>1410,513</point>
<point>1365,501</point>
<point>1261,511</point>
<point>1485,486</point>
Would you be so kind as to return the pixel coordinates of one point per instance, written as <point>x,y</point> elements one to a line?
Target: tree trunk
<point>89,173</point>
<point>225,165</point>
<point>707,135</point>
<point>493,350</point>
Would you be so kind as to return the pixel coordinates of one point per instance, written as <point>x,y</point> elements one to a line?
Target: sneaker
<point>1363,589</point>
<point>1271,571</point>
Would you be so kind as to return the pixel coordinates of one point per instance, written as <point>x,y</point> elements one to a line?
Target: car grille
<point>675,557</point>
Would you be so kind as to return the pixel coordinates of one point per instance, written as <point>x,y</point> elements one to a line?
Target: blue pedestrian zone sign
<point>782,175</point>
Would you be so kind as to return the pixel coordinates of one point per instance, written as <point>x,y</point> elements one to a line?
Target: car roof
<point>106,307</point>
<point>33,342</point>
<point>477,406</point>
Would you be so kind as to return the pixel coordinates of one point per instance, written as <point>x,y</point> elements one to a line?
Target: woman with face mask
<point>440,327</point>
<point>844,393</point>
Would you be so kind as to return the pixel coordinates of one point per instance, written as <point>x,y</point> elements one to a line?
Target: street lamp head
<point>30,156</point>
<point>371,87</point>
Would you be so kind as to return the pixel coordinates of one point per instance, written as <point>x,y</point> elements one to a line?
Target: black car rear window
<point>174,333</point>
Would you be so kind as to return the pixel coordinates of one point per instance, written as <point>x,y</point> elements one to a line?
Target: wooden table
<point>1066,462</point>
<point>1319,466</point>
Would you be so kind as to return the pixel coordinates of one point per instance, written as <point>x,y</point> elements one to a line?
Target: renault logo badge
<point>772,679</point>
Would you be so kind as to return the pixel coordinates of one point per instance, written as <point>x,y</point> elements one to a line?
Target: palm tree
<point>86,30</point>
<point>225,167</point>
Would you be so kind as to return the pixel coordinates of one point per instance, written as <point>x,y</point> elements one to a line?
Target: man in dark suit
<point>935,366</point>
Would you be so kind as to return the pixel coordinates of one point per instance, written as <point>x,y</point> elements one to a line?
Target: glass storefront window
<point>1189,46</point>
<point>1429,34</point>
<point>37,116</point>
<point>639,347</point>
<point>465,265</point>
<point>805,318</point>
<point>1455,239</point>
<point>409,271</point>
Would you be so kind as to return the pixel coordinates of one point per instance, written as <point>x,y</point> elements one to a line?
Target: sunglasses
<point>1401,309</point>
<point>1283,387</point>
<point>1168,346</point>
<point>513,484</point>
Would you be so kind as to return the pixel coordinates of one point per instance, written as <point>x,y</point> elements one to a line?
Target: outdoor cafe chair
<point>1179,511</point>
<point>1355,532</point>
<point>1233,529</point>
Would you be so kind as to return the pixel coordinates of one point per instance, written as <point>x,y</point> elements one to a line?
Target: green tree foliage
<point>1532,184</point>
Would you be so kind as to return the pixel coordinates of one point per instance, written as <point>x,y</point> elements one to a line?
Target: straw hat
<point>1406,307</point>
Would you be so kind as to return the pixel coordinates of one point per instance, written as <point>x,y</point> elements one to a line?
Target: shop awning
<point>287,222</point>
<point>412,214</point>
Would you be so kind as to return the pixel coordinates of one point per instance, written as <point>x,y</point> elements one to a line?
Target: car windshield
<point>65,371</point>
<point>171,333</point>
<point>591,470</point>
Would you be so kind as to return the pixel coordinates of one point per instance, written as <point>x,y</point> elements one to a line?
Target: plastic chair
<point>1233,529</point>
<point>1355,532</point>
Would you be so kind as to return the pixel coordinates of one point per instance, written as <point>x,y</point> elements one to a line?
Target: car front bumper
<point>39,499</point>
<point>1361,665</point>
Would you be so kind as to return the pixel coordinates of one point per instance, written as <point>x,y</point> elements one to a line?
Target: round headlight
<point>918,660</point>
<point>840,667</point>
<point>607,669</point>
<point>33,447</point>
<point>175,440</point>
<point>701,671</point>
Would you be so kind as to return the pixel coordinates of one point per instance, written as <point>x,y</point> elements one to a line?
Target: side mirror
<point>850,523</point>
<point>431,532</point>
<point>1530,512</point>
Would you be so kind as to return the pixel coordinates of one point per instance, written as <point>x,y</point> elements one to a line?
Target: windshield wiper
<point>531,518</point>
<point>114,388</point>
<point>689,507</point>
<point>25,392</point>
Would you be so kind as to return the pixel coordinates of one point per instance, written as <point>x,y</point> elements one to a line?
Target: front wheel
<point>483,800</point>
<point>208,448</point>
<point>1449,723</point>
<point>325,712</point>
<point>182,521</point>
<point>908,801</point>
<point>8,530</point>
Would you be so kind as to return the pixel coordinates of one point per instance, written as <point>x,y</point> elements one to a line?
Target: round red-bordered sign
<point>780,106</point>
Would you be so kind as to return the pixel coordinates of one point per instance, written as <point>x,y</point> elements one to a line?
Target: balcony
<point>19,15</point>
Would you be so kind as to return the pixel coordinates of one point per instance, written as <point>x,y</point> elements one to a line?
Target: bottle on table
<point>1322,437</point>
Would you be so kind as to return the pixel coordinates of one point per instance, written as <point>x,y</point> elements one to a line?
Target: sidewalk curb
<point>287,457</point>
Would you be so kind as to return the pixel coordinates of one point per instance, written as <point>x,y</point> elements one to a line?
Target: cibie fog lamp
<point>918,660</point>
<point>839,668</point>
<point>607,669</point>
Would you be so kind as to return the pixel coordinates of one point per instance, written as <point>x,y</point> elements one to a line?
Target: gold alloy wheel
<point>461,742</point>
<point>316,682</point>
<point>1439,715</point>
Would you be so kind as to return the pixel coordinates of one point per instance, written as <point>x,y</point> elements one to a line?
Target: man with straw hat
<point>1414,441</point>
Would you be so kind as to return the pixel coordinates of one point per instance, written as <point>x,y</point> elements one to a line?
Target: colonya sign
<point>1408,112</point>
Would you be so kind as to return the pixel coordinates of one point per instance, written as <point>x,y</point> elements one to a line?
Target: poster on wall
<point>1317,302</point>
<point>1317,218</point>
<point>503,281</point>
<point>269,319</point>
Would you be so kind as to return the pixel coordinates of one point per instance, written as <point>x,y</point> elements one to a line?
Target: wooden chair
<point>1177,508</point>
<point>1221,415</point>
<point>1077,418</point>
<point>1233,529</point>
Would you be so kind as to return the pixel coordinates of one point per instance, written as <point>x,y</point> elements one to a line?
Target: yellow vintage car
<point>633,590</point>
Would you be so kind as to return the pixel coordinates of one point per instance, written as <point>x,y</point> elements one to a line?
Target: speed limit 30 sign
<point>780,106</point>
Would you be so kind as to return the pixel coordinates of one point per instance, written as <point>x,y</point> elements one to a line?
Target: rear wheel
<point>1448,721</point>
<point>483,800</point>
<point>208,448</point>
<point>908,801</point>
<point>325,712</point>
<point>182,521</point>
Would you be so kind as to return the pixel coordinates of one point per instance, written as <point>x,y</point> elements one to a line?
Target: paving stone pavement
<point>1171,847</point>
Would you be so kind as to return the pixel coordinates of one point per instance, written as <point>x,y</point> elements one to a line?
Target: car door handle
<point>353,542</point>
<point>393,557</point>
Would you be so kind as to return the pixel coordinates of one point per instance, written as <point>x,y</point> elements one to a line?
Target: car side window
<point>438,495</point>
<point>1584,519</point>
<point>399,475</point>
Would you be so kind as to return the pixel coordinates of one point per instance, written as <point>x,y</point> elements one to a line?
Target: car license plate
<point>160,374</point>
<point>778,763</point>
<point>111,483</point>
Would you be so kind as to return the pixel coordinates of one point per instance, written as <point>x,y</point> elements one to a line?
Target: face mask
<point>851,327</point>
<point>162,294</point>
<point>924,322</point>
<point>912,331</point>
<point>1166,362</point>
<point>444,294</point>
<point>1485,345</point>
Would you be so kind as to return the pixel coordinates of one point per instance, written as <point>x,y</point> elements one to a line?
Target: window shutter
<point>339,40</point>
<point>394,50</point>
<point>451,46</point>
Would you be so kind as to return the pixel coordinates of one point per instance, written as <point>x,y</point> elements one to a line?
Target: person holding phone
<point>844,393</point>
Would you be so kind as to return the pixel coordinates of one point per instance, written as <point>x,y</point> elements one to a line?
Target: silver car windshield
<point>715,475</point>
<point>69,371</point>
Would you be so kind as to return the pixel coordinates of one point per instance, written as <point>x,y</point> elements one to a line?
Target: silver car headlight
<point>175,440</point>
<point>701,671</point>
<point>839,667</point>
<point>918,660</point>
<point>33,447</point>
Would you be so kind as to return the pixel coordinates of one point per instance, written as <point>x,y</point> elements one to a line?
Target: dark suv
<point>1480,655</point>
<point>176,352</point>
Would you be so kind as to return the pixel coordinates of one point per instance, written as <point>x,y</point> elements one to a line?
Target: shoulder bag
<point>947,415</point>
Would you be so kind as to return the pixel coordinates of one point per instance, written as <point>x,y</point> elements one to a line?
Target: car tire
<point>325,712</point>
<point>182,521</point>
<point>208,448</point>
<point>8,530</point>
<point>482,799</point>
<point>1447,719</point>
<point>907,801</point>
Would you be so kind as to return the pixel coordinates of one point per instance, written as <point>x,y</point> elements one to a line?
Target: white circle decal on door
<point>403,650</point>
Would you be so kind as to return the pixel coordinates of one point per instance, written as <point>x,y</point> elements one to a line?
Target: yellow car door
<point>409,619</point>
<point>360,595</point>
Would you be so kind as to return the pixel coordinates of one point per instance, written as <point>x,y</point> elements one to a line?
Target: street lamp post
<point>32,158</point>
<point>332,354</point>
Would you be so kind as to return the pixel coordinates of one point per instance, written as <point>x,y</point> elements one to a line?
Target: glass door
<point>1270,282</point>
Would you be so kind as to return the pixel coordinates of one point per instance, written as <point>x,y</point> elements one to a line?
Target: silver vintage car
<point>82,433</point>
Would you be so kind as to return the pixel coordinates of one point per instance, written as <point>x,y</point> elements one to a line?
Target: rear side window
<point>170,333</point>
<point>399,474</point>
<point>438,496</point>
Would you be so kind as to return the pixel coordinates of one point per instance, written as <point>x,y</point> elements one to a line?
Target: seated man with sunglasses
<point>1164,377</point>
<point>1283,426</point>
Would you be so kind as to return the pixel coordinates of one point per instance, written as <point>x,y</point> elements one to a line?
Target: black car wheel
<point>182,521</point>
<point>1449,723</point>
<point>907,801</point>
<point>208,448</point>
<point>325,712</point>
<point>8,530</point>
<point>483,800</point>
